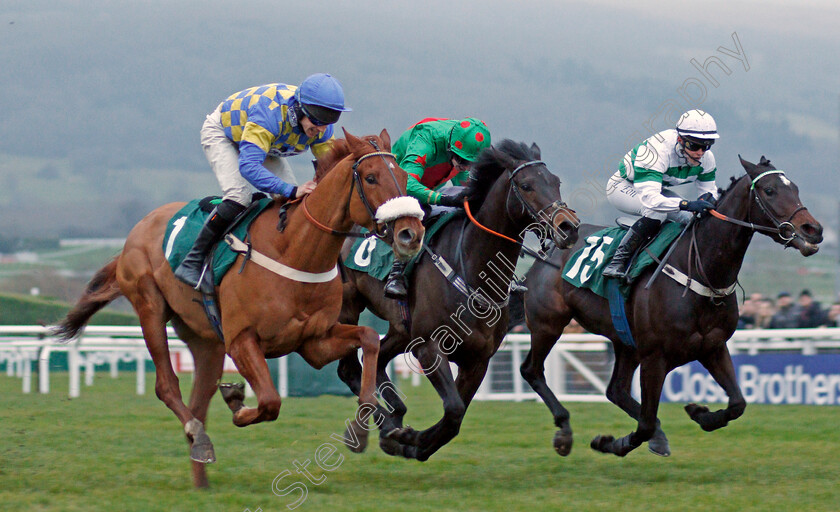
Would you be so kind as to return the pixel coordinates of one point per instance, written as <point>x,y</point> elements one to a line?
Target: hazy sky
<point>123,85</point>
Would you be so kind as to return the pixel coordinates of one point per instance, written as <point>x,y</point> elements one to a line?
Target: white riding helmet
<point>697,124</point>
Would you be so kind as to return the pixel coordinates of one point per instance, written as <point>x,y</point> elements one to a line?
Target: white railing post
<point>44,369</point>
<point>283,376</point>
<point>26,373</point>
<point>516,362</point>
<point>73,368</point>
<point>140,357</point>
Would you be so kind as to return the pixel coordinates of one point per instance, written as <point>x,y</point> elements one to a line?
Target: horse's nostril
<point>406,235</point>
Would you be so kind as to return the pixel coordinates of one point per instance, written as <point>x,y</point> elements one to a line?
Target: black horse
<point>671,326</point>
<point>511,190</point>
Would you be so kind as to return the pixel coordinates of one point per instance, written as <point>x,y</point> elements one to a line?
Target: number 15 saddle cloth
<point>583,269</point>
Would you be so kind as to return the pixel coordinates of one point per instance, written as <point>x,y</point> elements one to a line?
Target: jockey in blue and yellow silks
<point>246,140</point>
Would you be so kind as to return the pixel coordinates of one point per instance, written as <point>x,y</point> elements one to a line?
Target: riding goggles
<point>695,145</point>
<point>320,116</point>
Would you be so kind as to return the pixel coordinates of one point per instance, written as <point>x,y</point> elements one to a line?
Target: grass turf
<point>112,450</point>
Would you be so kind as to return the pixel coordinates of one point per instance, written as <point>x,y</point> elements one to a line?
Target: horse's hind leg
<point>153,313</point>
<point>720,368</point>
<point>533,371</point>
<point>618,392</point>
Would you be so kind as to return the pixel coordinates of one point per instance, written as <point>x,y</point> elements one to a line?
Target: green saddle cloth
<point>182,230</point>
<point>375,257</point>
<point>583,269</point>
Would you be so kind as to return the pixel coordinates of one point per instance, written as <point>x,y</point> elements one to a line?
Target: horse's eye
<point>527,187</point>
<point>768,191</point>
<point>370,178</point>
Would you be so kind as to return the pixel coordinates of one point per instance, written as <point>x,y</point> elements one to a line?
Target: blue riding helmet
<point>322,99</point>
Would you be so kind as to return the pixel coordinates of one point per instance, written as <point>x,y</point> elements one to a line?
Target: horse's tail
<point>101,290</point>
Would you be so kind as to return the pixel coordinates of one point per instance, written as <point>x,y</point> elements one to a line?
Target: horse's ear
<point>386,139</point>
<point>763,161</point>
<point>355,144</point>
<point>748,166</point>
<point>536,150</point>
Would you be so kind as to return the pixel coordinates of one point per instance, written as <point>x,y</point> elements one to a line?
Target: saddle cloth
<point>583,269</point>
<point>182,230</point>
<point>375,257</point>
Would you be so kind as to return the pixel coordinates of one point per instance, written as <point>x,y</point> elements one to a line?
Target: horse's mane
<point>489,167</point>
<point>338,151</point>
<point>735,179</point>
<point>325,164</point>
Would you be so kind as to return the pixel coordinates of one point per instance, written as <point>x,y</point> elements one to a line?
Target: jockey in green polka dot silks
<point>434,152</point>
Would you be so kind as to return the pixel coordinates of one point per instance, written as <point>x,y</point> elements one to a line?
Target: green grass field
<point>111,450</point>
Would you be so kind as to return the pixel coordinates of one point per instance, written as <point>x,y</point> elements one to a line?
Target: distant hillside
<point>25,310</point>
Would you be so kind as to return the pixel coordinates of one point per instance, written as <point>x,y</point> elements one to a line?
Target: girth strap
<point>278,268</point>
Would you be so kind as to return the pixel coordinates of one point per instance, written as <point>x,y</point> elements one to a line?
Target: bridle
<point>780,227</point>
<point>785,229</point>
<point>357,184</point>
<point>540,216</point>
<point>556,208</point>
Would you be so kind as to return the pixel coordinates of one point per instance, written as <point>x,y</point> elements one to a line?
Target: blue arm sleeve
<point>251,158</point>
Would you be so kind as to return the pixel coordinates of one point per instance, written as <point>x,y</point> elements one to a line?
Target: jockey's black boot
<point>395,286</point>
<point>643,230</point>
<point>190,270</point>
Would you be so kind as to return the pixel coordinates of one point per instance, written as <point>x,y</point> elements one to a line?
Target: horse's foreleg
<point>436,368</point>
<point>343,341</point>
<point>468,381</point>
<point>653,377</point>
<point>721,369</point>
<point>250,361</point>
<point>389,416</point>
<point>618,392</point>
<point>533,371</point>
<point>209,362</point>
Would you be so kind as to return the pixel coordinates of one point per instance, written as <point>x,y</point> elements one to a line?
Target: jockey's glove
<point>698,206</point>
<point>453,200</point>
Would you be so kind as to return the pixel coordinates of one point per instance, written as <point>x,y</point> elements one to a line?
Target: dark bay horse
<point>512,191</point>
<point>671,326</point>
<point>264,314</point>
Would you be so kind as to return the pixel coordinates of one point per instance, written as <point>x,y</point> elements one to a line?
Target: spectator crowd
<point>760,312</point>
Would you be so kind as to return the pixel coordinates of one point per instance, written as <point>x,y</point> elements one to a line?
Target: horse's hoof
<point>658,444</point>
<point>694,410</point>
<point>393,447</point>
<point>203,452</point>
<point>232,391</point>
<point>405,435</point>
<point>602,443</point>
<point>359,434</point>
<point>562,443</point>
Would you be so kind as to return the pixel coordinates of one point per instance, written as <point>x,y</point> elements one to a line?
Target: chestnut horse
<point>512,191</point>
<point>264,314</point>
<point>671,325</point>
